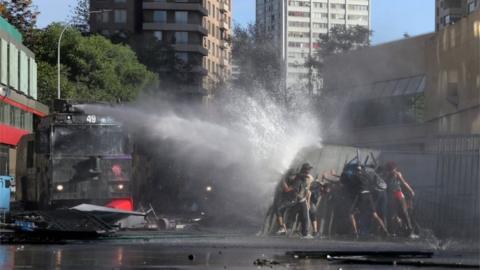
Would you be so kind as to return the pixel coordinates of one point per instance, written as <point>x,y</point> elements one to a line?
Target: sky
<point>390,18</point>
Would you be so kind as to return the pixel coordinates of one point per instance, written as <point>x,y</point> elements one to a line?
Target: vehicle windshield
<point>88,140</point>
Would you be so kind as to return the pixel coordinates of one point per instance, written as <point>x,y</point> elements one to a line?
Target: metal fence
<point>446,178</point>
<point>457,194</point>
<point>453,143</point>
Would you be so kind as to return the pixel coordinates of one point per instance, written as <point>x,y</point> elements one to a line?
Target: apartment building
<point>18,90</point>
<point>197,30</point>
<point>295,25</point>
<point>448,12</point>
<point>219,25</point>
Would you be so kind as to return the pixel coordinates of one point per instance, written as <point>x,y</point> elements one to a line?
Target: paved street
<point>154,250</point>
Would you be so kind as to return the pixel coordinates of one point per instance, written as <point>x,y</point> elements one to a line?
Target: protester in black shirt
<point>363,201</point>
<point>315,191</point>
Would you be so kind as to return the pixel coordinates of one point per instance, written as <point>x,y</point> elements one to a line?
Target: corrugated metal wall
<point>447,190</point>
<point>457,178</point>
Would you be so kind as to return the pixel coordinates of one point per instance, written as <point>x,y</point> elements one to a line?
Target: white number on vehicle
<point>91,119</point>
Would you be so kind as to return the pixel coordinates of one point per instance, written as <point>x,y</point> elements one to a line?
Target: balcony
<point>200,70</point>
<point>223,44</point>
<point>196,69</point>
<point>194,48</point>
<point>224,62</point>
<point>188,6</point>
<point>224,7</point>
<point>175,27</point>
<point>224,25</point>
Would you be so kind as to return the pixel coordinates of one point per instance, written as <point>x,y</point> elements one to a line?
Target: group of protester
<point>372,200</point>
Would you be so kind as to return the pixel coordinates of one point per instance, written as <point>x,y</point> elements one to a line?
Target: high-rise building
<point>197,30</point>
<point>450,11</point>
<point>296,25</point>
<point>219,25</point>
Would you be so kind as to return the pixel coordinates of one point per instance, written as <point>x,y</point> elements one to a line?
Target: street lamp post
<point>58,58</point>
<point>67,25</point>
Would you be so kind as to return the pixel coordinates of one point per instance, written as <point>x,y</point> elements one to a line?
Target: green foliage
<point>160,57</point>
<point>81,15</point>
<point>93,68</point>
<point>417,108</point>
<point>175,75</point>
<point>22,14</point>
<point>342,39</point>
<point>259,62</point>
<point>339,39</point>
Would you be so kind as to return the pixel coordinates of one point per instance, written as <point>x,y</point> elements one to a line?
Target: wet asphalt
<point>194,250</point>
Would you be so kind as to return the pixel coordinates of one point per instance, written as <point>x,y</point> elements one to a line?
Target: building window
<point>160,16</point>
<point>298,4</point>
<point>319,25</point>
<point>453,4</point>
<point>22,120</point>
<point>183,56</point>
<point>320,15</point>
<point>2,112</point>
<point>358,18</point>
<point>181,37</point>
<point>451,19</point>
<point>4,160</point>
<point>102,17</point>
<point>471,6</point>
<point>105,17</point>
<point>337,6</point>
<point>320,5</point>
<point>296,14</point>
<point>12,116</point>
<point>298,24</point>
<point>181,17</point>
<point>358,7</point>
<point>158,35</point>
<point>337,16</point>
<point>120,16</point>
<point>299,34</point>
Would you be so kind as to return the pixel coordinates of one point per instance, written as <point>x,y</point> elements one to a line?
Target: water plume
<point>242,143</point>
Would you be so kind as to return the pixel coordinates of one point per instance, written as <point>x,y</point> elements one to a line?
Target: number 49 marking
<point>91,119</point>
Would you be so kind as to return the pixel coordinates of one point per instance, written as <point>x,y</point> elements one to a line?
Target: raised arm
<point>405,183</point>
<point>285,186</point>
<point>332,173</point>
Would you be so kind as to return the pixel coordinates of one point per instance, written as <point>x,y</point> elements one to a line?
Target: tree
<point>339,39</point>
<point>92,67</point>
<point>259,62</point>
<point>175,74</point>
<point>22,14</point>
<point>81,15</point>
<point>161,58</point>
